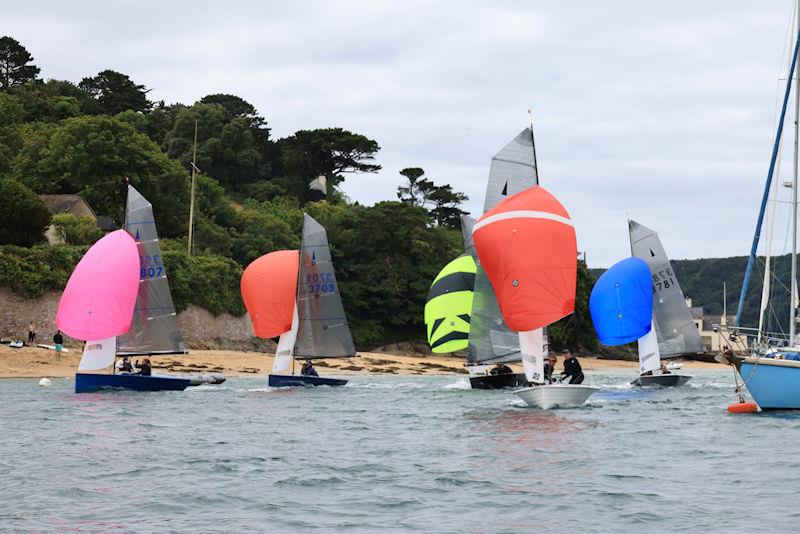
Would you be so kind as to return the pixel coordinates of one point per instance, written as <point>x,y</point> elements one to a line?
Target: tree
<point>114,92</point>
<point>24,217</point>
<point>446,202</point>
<point>76,230</point>
<point>576,330</point>
<point>52,101</point>
<point>14,64</point>
<point>226,149</point>
<point>441,201</point>
<point>11,113</point>
<point>413,193</point>
<point>92,156</point>
<point>331,152</point>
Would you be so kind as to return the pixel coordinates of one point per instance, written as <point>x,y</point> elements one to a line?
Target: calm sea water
<point>393,454</point>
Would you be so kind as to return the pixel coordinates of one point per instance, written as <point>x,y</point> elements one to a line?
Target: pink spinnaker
<point>100,296</point>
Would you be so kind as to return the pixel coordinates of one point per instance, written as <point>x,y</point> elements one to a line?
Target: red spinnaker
<point>269,292</point>
<point>527,246</point>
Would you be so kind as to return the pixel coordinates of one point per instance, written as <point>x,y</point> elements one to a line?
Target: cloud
<point>663,110</point>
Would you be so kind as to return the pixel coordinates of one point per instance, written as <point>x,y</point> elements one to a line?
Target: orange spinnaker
<point>527,246</point>
<point>269,292</point>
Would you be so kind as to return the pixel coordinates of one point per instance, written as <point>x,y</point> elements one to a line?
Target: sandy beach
<point>35,362</point>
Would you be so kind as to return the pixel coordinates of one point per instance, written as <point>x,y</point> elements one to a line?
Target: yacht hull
<point>773,384</point>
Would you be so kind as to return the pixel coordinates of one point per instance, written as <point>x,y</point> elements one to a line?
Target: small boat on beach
<point>295,295</point>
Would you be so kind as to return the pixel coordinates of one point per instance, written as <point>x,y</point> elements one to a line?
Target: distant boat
<point>482,330</point>
<point>527,247</point>
<point>675,330</point>
<point>771,372</point>
<point>296,296</point>
<point>621,305</point>
<point>92,298</point>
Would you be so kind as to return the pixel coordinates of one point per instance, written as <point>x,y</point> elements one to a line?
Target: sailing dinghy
<point>621,305</point>
<point>528,249</point>
<point>675,332</point>
<point>95,307</point>
<point>296,296</point>
<point>482,330</point>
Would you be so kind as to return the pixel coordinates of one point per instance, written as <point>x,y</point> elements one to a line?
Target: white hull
<point>555,395</point>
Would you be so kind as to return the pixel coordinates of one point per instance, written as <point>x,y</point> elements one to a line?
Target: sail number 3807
<point>150,266</point>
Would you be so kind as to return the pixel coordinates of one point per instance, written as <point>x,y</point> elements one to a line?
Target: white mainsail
<point>98,354</point>
<point>649,357</point>
<point>283,353</point>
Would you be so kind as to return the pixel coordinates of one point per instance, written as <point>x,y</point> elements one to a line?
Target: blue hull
<point>774,384</point>
<point>88,382</point>
<point>282,381</point>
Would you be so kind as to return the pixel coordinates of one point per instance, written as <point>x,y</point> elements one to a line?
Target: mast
<point>760,219</point>
<point>793,299</point>
<point>191,201</point>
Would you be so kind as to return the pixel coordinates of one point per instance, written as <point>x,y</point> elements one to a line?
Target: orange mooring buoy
<point>743,407</point>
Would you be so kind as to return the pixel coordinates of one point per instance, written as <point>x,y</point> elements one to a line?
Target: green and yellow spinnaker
<point>449,304</point>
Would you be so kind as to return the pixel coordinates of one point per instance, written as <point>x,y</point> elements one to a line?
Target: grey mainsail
<point>322,325</point>
<point>154,329</point>
<point>675,329</point>
<point>513,170</point>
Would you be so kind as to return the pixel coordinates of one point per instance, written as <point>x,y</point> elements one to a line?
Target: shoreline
<point>35,362</point>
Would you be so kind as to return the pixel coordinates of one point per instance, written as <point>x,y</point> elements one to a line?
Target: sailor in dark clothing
<point>549,369</point>
<point>572,368</point>
<point>58,341</point>
<point>500,369</point>
<point>308,369</point>
<point>145,368</point>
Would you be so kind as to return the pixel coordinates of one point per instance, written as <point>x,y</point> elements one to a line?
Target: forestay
<point>322,326</point>
<point>675,329</point>
<point>155,327</point>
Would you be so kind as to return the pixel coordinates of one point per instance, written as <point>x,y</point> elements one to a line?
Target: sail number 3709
<point>320,283</point>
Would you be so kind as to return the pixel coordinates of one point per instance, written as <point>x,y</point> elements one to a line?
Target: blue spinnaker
<point>622,302</point>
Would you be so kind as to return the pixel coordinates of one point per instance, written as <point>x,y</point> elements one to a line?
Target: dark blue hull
<point>663,381</point>
<point>282,381</point>
<point>88,382</point>
<point>510,380</point>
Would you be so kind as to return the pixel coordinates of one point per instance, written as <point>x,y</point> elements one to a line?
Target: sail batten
<point>322,328</point>
<point>675,329</point>
<point>154,329</point>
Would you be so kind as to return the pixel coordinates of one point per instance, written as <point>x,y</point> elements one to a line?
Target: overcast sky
<point>663,110</point>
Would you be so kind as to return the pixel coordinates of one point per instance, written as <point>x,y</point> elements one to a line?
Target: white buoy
<point>45,382</point>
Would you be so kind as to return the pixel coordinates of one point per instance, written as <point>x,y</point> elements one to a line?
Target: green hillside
<point>702,281</point>
<point>89,137</point>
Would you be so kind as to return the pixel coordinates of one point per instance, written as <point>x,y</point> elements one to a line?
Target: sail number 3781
<point>663,279</point>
